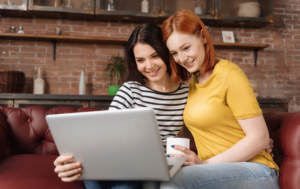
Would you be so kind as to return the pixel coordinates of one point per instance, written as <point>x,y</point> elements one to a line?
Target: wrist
<point>204,161</point>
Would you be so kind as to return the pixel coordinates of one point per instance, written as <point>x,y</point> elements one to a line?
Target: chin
<point>192,70</point>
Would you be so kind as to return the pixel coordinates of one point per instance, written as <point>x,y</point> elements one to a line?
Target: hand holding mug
<point>179,148</point>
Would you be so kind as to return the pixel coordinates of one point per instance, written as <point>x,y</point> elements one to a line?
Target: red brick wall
<point>276,75</point>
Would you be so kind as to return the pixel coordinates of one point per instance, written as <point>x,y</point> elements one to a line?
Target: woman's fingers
<point>70,173</point>
<point>71,179</point>
<point>67,167</point>
<point>63,159</point>
<point>176,155</point>
<point>270,146</point>
<point>182,149</point>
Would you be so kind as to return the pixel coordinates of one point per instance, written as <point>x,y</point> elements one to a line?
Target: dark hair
<point>148,34</point>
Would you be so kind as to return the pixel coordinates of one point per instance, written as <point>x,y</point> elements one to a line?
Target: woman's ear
<point>203,38</point>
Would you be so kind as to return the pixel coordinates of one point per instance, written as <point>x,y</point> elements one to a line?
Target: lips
<point>153,72</point>
<point>188,65</point>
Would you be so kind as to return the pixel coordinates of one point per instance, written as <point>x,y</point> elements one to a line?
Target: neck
<point>164,85</point>
<point>201,78</point>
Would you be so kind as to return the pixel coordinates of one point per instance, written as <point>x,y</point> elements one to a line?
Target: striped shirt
<point>168,107</point>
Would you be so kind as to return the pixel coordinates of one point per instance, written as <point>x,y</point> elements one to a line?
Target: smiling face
<point>149,63</point>
<point>187,50</point>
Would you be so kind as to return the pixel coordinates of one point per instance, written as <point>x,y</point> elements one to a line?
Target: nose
<point>148,64</point>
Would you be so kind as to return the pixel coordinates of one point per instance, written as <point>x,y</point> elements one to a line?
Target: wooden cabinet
<point>48,100</point>
<point>101,101</point>
<point>212,12</point>
<point>75,6</point>
<point>13,4</point>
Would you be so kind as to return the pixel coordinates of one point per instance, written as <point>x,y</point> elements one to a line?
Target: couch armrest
<point>290,143</point>
<point>4,138</point>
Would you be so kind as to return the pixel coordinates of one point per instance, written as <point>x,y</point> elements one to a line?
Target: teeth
<point>152,72</point>
<point>188,64</point>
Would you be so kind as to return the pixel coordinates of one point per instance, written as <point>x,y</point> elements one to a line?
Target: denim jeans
<point>240,175</point>
<point>89,184</point>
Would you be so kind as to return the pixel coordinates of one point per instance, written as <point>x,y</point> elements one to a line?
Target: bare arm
<point>67,168</point>
<point>256,140</point>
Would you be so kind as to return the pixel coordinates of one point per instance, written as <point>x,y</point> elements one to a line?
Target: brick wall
<point>276,75</point>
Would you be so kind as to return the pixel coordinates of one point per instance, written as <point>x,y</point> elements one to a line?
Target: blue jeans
<point>89,184</point>
<point>240,175</point>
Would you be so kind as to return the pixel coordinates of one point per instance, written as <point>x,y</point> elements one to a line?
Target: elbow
<point>262,140</point>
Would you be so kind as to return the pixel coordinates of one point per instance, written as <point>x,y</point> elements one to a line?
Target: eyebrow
<point>154,53</point>
<point>181,46</point>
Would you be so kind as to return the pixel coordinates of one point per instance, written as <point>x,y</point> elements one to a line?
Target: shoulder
<point>227,68</point>
<point>183,87</point>
<point>129,85</point>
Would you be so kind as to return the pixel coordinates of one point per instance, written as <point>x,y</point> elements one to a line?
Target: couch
<point>27,150</point>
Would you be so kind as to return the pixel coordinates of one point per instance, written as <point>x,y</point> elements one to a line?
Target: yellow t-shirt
<point>213,108</point>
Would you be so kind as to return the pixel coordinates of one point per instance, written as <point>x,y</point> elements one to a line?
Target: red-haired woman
<point>222,114</point>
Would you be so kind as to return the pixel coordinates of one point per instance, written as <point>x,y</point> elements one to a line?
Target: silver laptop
<point>114,144</point>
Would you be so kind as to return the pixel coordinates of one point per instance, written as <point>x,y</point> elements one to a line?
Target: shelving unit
<point>116,41</point>
<point>101,101</point>
<point>214,12</point>
<point>64,38</point>
<point>251,46</point>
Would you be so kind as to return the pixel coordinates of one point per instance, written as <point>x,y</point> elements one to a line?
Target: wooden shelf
<point>117,41</point>
<point>133,16</point>
<point>110,40</point>
<point>64,38</point>
<point>252,46</point>
<point>102,101</point>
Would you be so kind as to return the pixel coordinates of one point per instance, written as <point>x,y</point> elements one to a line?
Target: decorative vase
<point>81,87</point>
<point>39,83</point>
<point>113,89</point>
<point>145,6</point>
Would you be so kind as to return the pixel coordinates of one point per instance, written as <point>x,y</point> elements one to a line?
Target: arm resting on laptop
<point>67,168</point>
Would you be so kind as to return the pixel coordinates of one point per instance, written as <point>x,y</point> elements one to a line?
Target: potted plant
<point>115,69</point>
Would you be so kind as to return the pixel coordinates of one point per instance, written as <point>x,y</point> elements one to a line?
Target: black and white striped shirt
<point>168,107</point>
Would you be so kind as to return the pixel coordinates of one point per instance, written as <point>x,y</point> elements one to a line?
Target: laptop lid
<point>113,145</point>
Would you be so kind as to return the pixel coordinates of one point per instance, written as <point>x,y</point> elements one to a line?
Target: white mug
<point>177,141</point>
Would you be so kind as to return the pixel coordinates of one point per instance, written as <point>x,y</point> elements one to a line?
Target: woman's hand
<point>270,147</point>
<point>67,168</point>
<point>191,157</point>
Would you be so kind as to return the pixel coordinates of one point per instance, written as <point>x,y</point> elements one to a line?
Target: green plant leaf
<point>116,69</point>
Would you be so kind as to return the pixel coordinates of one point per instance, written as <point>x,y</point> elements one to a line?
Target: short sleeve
<point>240,96</point>
<point>123,99</point>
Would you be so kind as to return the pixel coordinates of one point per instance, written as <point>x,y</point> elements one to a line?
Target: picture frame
<point>228,37</point>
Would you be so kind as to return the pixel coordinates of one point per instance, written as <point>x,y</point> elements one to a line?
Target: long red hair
<point>186,21</point>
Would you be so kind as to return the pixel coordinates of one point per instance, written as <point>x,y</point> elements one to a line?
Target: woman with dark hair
<point>149,85</point>
<point>222,114</point>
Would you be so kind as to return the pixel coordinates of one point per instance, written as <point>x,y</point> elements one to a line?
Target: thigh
<point>123,185</point>
<point>112,184</point>
<point>242,175</point>
<point>91,184</point>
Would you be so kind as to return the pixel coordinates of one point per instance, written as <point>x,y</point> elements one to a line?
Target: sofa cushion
<point>4,139</point>
<point>290,137</point>
<point>29,130</point>
<point>32,171</point>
